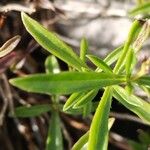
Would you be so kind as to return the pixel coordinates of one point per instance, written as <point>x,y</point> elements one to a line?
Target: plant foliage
<point>83,83</point>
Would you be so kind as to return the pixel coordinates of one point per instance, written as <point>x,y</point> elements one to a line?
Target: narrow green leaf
<point>133,103</point>
<point>127,45</point>
<point>51,65</point>
<point>143,9</point>
<point>67,82</point>
<point>51,42</point>
<point>99,63</point>
<point>54,139</point>
<point>84,139</point>
<point>83,49</point>
<point>144,80</point>
<point>130,62</point>
<point>72,100</point>
<point>8,46</point>
<point>99,128</point>
<point>78,111</point>
<point>113,56</point>
<point>31,111</point>
<point>85,98</point>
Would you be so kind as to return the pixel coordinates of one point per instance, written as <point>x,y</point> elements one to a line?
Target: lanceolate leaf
<point>135,26</point>
<point>141,9</point>
<point>72,100</point>
<point>54,139</point>
<point>100,63</point>
<point>51,42</point>
<point>83,49</point>
<point>31,111</point>
<point>113,56</point>
<point>98,136</point>
<point>133,103</point>
<point>87,97</point>
<point>67,82</point>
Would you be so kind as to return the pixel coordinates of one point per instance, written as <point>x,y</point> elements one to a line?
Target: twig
<point>4,107</point>
<point>19,99</point>
<point>76,124</point>
<point>67,136</point>
<point>119,141</point>
<point>123,116</point>
<point>8,93</point>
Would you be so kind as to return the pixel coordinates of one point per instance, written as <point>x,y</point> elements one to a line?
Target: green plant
<point>83,83</point>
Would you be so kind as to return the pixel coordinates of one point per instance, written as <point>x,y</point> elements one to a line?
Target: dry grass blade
<point>9,45</point>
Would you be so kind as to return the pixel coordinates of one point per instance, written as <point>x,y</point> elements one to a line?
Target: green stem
<point>122,58</point>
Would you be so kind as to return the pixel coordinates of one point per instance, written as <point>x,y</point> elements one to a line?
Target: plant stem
<point>122,58</point>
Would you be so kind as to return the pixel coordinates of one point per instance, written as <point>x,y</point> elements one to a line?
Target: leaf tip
<point>12,82</point>
<point>23,14</point>
<point>65,108</point>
